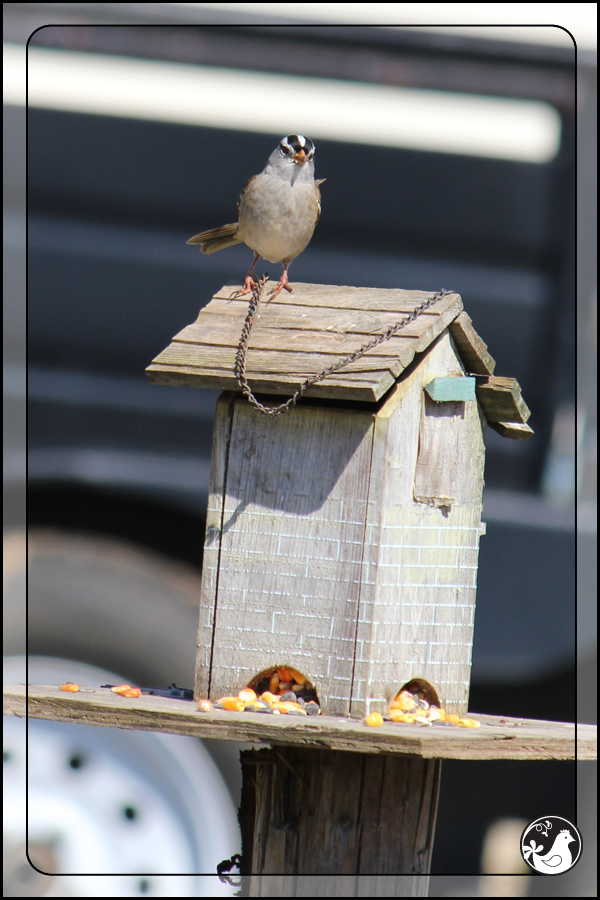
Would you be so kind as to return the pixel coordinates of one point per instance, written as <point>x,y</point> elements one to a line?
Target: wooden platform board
<point>300,334</point>
<point>498,738</point>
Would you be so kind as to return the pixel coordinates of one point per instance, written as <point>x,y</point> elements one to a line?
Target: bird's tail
<point>217,238</point>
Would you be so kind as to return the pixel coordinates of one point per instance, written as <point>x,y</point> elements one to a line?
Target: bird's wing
<point>317,183</point>
<point>243,191</point>
<point>555,860</point>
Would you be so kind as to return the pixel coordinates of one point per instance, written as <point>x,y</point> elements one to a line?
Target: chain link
<point>242,351</point>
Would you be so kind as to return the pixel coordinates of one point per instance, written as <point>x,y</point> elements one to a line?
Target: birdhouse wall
<point>318,556</point>
<point>419,570</point>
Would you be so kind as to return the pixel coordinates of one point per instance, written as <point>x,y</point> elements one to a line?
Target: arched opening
<point>420,690</point>
<point>283,681</point>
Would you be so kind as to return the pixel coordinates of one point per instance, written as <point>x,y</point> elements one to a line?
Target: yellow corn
<point>247,695</point>
<point>374,719</point>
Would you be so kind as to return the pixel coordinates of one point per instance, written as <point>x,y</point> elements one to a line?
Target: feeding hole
<point>283,681</point>
<point>421,690</point>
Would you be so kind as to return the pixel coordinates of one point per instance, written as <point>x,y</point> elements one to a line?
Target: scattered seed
<point>205,705</point>
<point>289,695</point>
<point>70,686</point>
<point>247,695</point>
<point>274,683</point>
<point>123,688</point>
<point>374,719</point>
<point>233,704</point>
<point>132,692</point>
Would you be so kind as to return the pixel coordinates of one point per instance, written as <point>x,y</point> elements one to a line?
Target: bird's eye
<point>285,149</point>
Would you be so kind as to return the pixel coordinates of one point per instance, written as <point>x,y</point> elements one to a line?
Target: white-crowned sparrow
<point>277,210</point>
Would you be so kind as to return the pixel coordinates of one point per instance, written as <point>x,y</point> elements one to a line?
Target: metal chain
<point>242,351</point>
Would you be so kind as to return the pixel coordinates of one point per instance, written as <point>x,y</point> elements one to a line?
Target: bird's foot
<point>250,283</point>
<point>282,283</point>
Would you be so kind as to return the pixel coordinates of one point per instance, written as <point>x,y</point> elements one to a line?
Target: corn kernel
<point>374,719</point>
<point>469,723</point>
<point>233,704</point>
<point>269,698</point>
<point>247,695</point>
<point>131,692</point>
<point>205,705</point>
<point>298,677</point>
<point>285,675</point>
<point>121,688</point>
<point>404,701</point>
<point>451,717</point>
<point>396,715</point>
<point>274,682</point>
<point>70,686</point>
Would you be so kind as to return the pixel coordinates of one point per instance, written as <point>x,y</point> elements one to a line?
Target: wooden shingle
<point>299,334</point>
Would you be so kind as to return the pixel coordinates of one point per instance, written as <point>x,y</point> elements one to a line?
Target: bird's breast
<point>277,219</point>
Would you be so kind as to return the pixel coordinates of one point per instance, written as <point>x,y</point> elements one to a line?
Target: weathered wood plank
<point>300,336</point>
<point>293,339</point>
<point>436,475</point>
<point>501,400</point>
<point>273,362</point>
<point>296,489</point>
<point>517,431</point>
<point>473,351</point>
<point>419,564</point>
<point>339,387</point>
<point>497,738</point>
<point>321,811</point>
<point>448,388</point>
<point>339,297</point>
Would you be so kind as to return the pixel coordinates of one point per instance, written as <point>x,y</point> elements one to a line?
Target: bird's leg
<point>282,283</point>
<point>250,280</point>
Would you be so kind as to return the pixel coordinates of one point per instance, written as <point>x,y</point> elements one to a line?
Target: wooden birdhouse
<point>342,537</point>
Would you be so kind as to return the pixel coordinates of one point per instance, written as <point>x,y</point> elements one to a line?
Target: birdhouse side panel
<point>287,582</point>
<point>212,543</point>
<point>418,594</point>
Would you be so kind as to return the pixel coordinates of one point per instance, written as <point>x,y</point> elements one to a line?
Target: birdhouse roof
<point>300,334</point>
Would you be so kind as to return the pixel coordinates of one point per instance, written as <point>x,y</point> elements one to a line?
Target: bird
<point>557,860</point>
<point>278,211</point>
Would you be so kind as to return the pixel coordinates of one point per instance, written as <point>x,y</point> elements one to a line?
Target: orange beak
<point>300,157</point>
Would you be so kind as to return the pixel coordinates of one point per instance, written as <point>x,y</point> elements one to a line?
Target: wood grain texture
<point>330,558</point>
<point>340,886</point>
<point>306,811</point>
<point>516,431</point>
<point>290,547</point>
<point>501,400</point>
<point>301,334</point>
<point>473,351</point>
<point>420,560</point>
<point>498,738</point>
